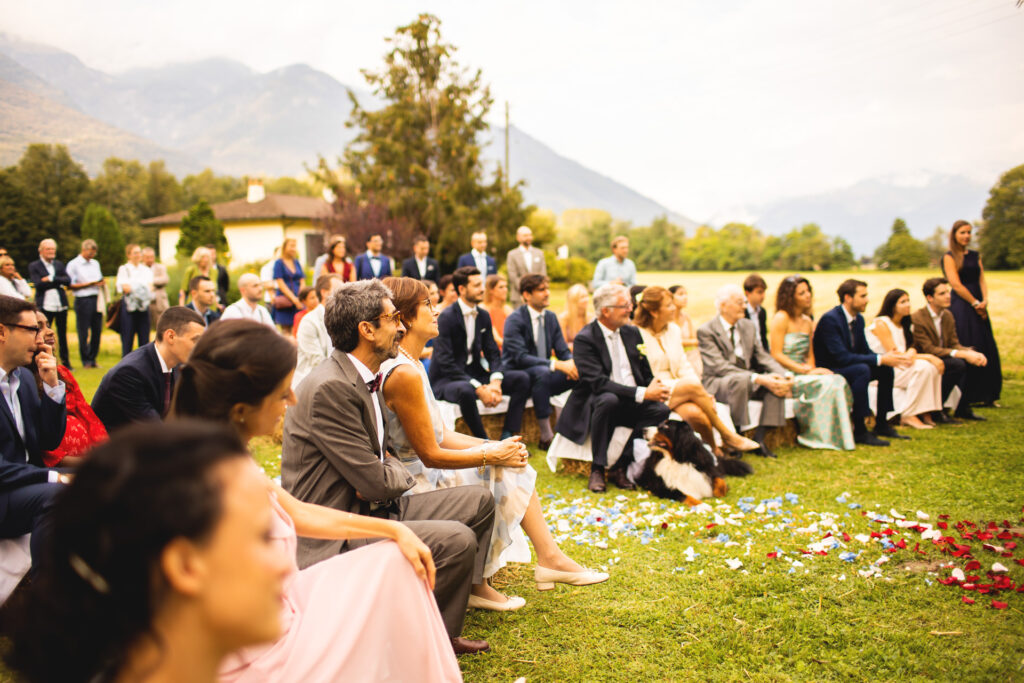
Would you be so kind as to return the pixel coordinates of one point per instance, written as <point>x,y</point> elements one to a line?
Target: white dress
<point>921,381</point>
<point>512,487</point>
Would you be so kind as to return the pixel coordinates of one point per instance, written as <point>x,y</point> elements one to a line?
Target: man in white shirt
<point>249,306</point>
<point>50,277</point>
<point>420,265</point>
<point>478,256</point>
<point>86,280</point>
<point>523,260</point>
<point>617,268</point>
<point>314,344</point>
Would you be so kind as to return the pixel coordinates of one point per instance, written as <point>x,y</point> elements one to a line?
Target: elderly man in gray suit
<point>336,453</point>
<point>737,367</point>
<point>523,260</point>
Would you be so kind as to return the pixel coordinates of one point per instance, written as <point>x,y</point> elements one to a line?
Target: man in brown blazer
<point>935,333</point>
<point>336,453</point>
<point>523,260</point>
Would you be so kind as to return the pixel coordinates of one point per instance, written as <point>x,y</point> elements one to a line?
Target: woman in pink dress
<point>365,615</point>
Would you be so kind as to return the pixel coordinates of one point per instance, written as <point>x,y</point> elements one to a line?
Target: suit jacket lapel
<point>6,410</point>
<point>597,332</point>
<point>369,416</point>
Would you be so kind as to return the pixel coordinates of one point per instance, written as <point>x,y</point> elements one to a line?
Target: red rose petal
<point>985,536</point>
<point>943,525</point>
<point>1011,545</point>
<point>949,581</point>
<point>993,525</point>
<point>1006,536</point>
<point>708,526</point>
<point>875,534</point>
<point>821,552</point>
<point>772,555</point>
<point>947,516</point>
<point>901,544</point>
<point>888,532</point>
<point>846,537</point>
<point>972,565</point>
<point>966,600</point>
<point>998,605</point>
<point>1020,561</point>
<point>664,525</point>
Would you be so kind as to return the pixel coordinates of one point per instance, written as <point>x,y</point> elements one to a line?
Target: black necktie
<point>374,384</point>
<point>852,344</point>
<point>167,394</point>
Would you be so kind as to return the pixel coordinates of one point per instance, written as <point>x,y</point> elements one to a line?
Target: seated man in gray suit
<point>737,367</point>
<point>336,453</point>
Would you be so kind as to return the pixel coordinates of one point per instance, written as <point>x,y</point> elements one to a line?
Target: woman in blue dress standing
<point>969,306</point>
<point>289,277</point>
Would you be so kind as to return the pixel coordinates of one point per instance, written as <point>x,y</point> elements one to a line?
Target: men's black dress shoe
<point>970,415</point>
<point>869,439</point>
<point>764,451</point>
<point>596,483</point>
<point>890,433</point>
<point>463,646</point>
<point>544,444</point>
<point>619,478</point>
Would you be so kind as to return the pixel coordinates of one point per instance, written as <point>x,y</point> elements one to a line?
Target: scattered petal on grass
<point>966,600</point>
<point>734,563</point>
<point>998,605</point>
<point>999,568</point>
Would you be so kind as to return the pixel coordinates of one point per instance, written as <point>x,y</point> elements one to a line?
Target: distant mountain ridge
<point>220,113</point>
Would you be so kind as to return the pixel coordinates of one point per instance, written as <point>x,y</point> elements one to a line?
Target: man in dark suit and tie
<point>531,335</point>
<point>29,425</point>
<point>420,265</point>
<point>616,386</point>
<point>754,288</point>
<point>478,257</point>
<point>372,263</point>
<point>139,388</point>
<point>935,333</point>
<point>840,346</point>
<point>466,364</point>
<point>49,276</point>
<point>337,453</point>
<point>737,368</point>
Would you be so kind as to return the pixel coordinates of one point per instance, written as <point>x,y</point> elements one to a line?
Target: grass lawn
<point>675,610</point>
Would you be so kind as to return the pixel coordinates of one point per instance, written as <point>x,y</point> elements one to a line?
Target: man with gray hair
<point>737,368</point>
<point>249,307</point>
<point>616,386</point>
<point>86,281</point>
<point>50,277</point>
<point>336,453</point>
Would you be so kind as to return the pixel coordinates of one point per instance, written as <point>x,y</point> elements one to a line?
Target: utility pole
<point>506,146</point>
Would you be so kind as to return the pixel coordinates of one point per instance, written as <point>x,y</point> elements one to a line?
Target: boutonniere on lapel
<point>642,349</point>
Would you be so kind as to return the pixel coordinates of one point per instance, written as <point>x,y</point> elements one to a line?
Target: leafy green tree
<point>56,190</point>
<point>211,188</point>
<point>121,187</point>
<point>805,248</point>
<point>937,246</point>
<point>20,232</point>
<point>99,224</point>
<point>200,227</point>
<point>1002,235</point>
<point>842,254</point>
<point>657,247</point>
<point>901,250</point>
<point>544,225</point>
<point>287,185</point>
<point>418,154</point>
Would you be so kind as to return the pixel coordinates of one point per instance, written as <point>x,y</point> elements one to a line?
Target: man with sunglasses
<point>29,425</point>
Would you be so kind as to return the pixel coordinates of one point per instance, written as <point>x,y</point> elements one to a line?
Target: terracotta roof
<point>273,206</point>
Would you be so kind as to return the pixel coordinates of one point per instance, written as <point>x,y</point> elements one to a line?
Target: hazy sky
<point>704,106</point>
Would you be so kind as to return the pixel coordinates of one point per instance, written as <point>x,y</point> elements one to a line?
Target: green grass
<point>661,617</point>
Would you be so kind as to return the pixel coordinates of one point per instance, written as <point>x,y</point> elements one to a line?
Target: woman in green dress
<point>823,399</point>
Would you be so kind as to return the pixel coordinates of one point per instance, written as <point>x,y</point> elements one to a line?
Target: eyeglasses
<point>36,330</point>
<point>393,316</point>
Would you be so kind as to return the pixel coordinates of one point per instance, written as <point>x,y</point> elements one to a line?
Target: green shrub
<point>570,271</point>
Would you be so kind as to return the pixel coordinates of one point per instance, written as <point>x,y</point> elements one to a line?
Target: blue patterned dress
<point>822,401</point>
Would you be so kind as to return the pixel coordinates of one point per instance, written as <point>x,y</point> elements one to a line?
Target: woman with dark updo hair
<point>160,563</point>
<point>367,614</point>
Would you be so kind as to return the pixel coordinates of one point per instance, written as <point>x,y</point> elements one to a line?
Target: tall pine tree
<point>198,228</point>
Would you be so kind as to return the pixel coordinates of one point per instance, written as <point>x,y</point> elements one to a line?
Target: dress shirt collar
<point>524,249</point>
<point>608,334</point>
<point>14,378</point>
<point>477,254</point>
<point>536,315</point>
<point>935,316</point>
<point>163,364</point>
<point>726,326</point>
<point>466,308</point>
<point>753,311</point>
<point>364,372</point>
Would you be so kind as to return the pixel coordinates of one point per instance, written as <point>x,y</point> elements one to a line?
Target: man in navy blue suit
<point>531,335</point>
<point>49,276</point>
<point>840,346</point>
<point>372,263</point>
<point>478,257</point>
<point>29,425</point>
<point>466,364</point>
<point>420,265</point>
<point>139,388</point>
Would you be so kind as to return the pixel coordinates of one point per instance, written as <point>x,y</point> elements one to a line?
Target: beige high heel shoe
<point>547,578</point>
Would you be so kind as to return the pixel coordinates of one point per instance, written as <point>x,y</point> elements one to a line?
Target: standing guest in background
<point>617,268</point>
<point>737,368</point>
<point>202,264</point>
<point>466,364</point>
<point>523,260</point>
<point>840,345</point>
<point>754,288</point>
<point>575,316</point>
<point>249,306</point>
<point>495,296</point>
<point>922,381</point>
<point>969,306</point>
<point>531,336</point>
<point>288,280</point>
<point>50,277</point>
<point>681,298</point>
<point>616,386</point>
<point>138,389</point>
<point>239,374</point>
<point>86,280</point>
<point>663,347</point>
<point>83,430</point>
<point>823,398</point>
<point>135,282</point>
<point>309,299</point>
<point>372,263</point>
<point>420,265</point>
<point>203,294</point>
<point>313,341</point>
<point>447,291</point>
<point>160,563</point>
<point>267,280</point>
<point>11,283</point>
<point>478,256</point>
<point>29,425</point>
<point>337,261</point>
<point>935,334</point>
<point>222,280</point>
<point>160,279</point>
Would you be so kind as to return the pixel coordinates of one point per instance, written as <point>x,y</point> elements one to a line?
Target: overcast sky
<point>703,106</point>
